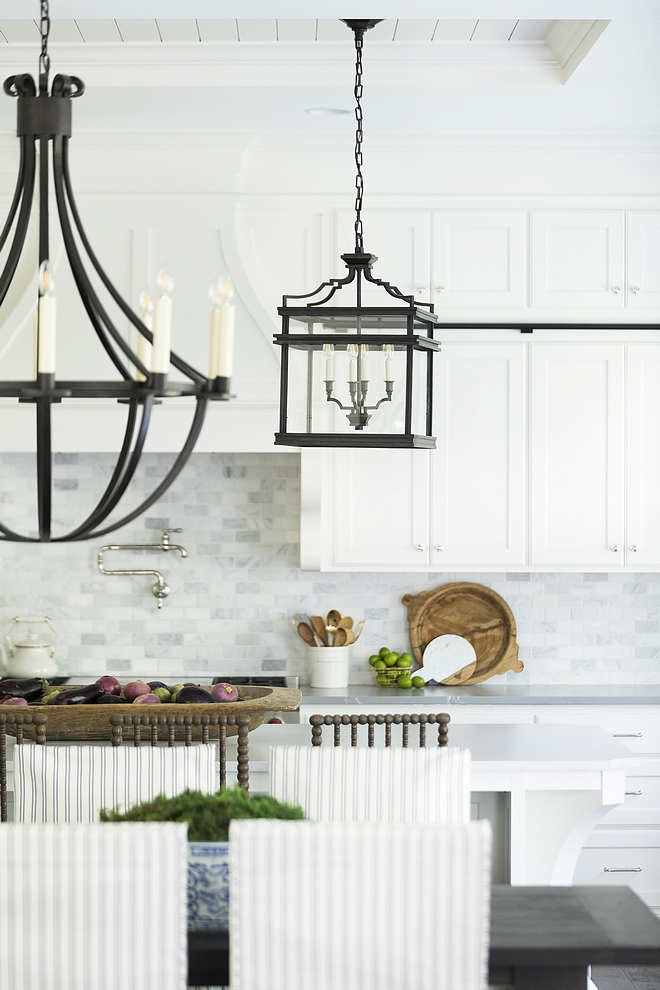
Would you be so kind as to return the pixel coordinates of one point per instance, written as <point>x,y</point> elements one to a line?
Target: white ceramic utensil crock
<point>30,657</point>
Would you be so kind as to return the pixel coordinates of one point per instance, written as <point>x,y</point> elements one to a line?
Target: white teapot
<point>30,657</point>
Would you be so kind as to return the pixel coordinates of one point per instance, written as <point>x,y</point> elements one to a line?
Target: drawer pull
<point>633,793</point>
<point>632,869</point>
<point>627,735</point>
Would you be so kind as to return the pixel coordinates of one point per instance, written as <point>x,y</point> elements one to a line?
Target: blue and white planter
<point>208,885</point>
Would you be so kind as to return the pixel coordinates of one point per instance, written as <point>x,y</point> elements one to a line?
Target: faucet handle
<point>179,530</point>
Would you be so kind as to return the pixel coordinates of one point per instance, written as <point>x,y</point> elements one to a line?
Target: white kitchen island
<point>559,780</point>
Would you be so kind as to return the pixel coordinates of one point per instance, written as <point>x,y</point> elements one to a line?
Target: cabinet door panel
<point>381,507</point>
<point>479,258</point>
<point>643,288</point>
<point>643,467</point>
<point>402,241</point>
<point>577,258</point>
<point>577,454</point>
<point>478,507</point>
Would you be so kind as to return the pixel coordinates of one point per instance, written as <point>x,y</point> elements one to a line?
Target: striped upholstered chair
<point>85,907</point>
<point>359,906</point>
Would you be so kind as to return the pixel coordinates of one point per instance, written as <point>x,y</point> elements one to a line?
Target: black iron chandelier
<point>334,352</point>
<point>44,121</point>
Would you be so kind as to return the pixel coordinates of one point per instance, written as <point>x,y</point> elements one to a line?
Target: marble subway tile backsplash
<point>234,594</point>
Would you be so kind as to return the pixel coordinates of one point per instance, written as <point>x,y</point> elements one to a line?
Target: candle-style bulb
<point>145,302</point>
<point>164,282</point>
<point>221,292</point>
<point>46,280</point>
<point>352,362</point>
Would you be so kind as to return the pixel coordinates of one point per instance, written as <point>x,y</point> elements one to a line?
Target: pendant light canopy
<point>357,364</point>
<point>44,124</point>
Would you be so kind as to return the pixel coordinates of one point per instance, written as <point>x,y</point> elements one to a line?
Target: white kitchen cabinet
<point>577,454</point>
<point>577,259</point>
<point>381,508</point>
<point>643,282</point>
<point>479,258</point>
<point>643,456</point>
<point>478,505</point>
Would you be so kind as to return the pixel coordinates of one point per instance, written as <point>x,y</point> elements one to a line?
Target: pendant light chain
<point>44,57</point>
<point>359,134</point>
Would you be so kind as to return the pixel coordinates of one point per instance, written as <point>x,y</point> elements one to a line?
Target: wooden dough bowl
<point>79,723</point>
<point>470,610</point>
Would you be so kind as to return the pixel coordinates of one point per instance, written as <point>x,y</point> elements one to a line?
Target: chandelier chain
<point>359,178</point>
<point>44,28</point>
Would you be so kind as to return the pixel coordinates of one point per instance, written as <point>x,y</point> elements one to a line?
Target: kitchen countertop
<point>487,694</point>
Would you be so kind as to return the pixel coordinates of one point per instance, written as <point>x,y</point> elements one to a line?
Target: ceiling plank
<point>296,29</point>
<point>257,29</point>
<point>98,30</point>
<point>64,31</point>
<point>178,29</point>
<point>532,30</point>
<point>138,29</point>
<point>454,30</point>
<point>19,32</point>
<point>217,29</point>
<point>494,30</point>
<point>415,30</point>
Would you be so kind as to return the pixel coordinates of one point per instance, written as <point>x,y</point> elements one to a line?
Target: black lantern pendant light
<point>44,119</point>
<point>356,375</point>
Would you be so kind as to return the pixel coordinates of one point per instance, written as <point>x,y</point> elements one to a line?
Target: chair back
<point>359,906</point>
<point>93,906</point>
<point>72,783</point>
<point>154,728</point>
<point>372,785</point>
<point>441,719</point>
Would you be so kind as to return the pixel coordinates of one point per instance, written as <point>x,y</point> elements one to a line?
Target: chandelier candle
<point>143,349</point>
<point>221,355</point>
<point>163,324</point>
<point>46,325</point>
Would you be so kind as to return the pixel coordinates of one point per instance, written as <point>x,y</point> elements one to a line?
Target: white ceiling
<point>614,89</point>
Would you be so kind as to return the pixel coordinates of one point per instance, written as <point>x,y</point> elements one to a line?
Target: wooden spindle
<point>243,751</point>
<point>3,768</point>
<point>316,722</point>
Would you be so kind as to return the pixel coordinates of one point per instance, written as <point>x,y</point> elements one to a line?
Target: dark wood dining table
<point>542,938</point>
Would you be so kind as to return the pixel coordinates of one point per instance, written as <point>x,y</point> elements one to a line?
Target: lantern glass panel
<point>332,384</point>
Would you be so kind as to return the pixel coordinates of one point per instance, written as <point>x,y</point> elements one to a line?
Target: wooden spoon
<point>340,637</point>
<point>333,617</point>
<point>345,623</point>
<point>350,636</point>
<point>306,634</point>
<point>319,628</point>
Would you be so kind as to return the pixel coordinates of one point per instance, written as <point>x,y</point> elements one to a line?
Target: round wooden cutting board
<point>473,611</point>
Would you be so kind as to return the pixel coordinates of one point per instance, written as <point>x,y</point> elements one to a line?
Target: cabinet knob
<point>634,548</point>
<point>635,290</point>
<point>616,289</point>
<point>439,548</point>
<point>440,288</point>
<point>614,548</point>
<point>420,547</point>
<point>420,290</point>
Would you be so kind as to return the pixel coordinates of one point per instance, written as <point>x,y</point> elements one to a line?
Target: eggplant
<point>111,699</point>
<point>157,684</point>
<point>86,695</point>
<point>194,696</point>
<point>28,688</point>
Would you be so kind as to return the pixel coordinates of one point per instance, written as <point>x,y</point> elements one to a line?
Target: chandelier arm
<point>178,362</point>
<point>170,477</point>
<point>17,196</point>
<point>123,473</point>
<point>44,468</point>
<point>22,223</point>
<point>82,279</point>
